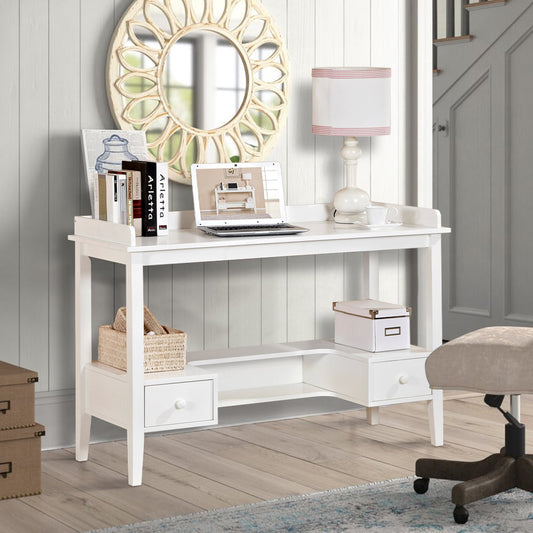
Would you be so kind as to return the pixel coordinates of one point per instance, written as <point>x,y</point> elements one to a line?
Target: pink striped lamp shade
<point>351,101</point>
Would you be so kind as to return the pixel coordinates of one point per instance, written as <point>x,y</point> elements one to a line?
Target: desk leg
<point>135,351</point>
<point>83,349</point>
<point>436,418</point>
<point>430,323</point>
<point>430,295</point>
<point>371,285</point>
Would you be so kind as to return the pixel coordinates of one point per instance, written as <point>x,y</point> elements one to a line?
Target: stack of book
<point>137,195</point>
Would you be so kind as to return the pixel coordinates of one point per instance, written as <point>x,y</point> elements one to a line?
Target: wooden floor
<point>190,472</point>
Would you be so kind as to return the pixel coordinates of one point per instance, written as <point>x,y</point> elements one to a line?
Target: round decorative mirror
<point>205,79</point>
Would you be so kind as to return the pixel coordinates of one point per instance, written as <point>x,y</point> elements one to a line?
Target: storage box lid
<point>37,430</point>
<point>14,375</point>
<point>371,309</point>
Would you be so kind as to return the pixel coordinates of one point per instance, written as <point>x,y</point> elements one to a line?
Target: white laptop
<point>240,199</point>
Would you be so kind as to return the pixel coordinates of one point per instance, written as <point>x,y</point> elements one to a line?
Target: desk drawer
<point>179,403</point>
<point>399,379</point>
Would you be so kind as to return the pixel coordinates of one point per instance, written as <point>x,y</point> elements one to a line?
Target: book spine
<point>139,179</point>
<point>129,197</point>
<point>162,199</point>
<point>149,225</point>
<point>112,198</point>
<point>102,193</point>
<point>137,202</point>
<point>122,200</point>
<point>96,198</point>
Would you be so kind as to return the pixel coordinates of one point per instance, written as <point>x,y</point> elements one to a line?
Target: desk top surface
<point>184,236</point>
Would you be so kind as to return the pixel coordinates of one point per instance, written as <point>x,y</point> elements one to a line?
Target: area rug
<point>390,506</point>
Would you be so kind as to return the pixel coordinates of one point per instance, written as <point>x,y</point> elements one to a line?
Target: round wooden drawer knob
<point>403,380</point>
<point>180,404</point>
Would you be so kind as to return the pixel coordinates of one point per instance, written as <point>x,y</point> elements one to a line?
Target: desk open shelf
<point>143,403</point>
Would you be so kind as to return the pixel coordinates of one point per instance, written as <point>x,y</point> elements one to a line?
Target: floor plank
<point>268,460</point>
<point>208,469</point>
<point>158,472</point>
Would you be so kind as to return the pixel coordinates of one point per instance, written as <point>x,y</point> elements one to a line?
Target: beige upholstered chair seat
<point>494,360</point>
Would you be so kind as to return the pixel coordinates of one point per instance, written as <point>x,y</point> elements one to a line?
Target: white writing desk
<point>143,403</point>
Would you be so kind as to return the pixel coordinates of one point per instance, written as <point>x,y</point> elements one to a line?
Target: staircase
<point>463,30</point>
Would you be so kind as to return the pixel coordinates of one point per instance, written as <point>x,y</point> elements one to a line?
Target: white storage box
<point>371,325</point>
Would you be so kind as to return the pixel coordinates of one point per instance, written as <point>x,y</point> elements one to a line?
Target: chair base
<point>480,479</point>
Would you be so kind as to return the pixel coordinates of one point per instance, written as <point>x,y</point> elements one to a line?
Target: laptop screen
<point>237,194</point>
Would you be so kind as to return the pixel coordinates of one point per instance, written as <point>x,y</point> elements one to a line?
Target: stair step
<point>488,3</point>
<point>453,40</point>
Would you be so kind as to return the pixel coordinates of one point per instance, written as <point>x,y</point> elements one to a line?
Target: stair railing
<point>446,10</point>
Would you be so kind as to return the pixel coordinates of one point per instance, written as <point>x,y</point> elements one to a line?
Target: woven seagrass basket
<point>150,322</point>
<point>162,353</point>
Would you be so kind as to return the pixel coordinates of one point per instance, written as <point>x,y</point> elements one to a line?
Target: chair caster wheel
<point>421,485</point>
<point>460,514</point>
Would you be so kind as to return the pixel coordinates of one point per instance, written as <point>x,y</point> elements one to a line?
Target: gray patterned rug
<point>391,506</point>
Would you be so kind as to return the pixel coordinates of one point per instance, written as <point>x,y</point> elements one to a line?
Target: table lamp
<point>351,102</point>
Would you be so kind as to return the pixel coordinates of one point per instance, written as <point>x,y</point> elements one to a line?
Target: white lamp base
<point>350,201</point>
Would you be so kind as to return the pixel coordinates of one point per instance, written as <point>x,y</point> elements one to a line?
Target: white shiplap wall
<point>55,56</point>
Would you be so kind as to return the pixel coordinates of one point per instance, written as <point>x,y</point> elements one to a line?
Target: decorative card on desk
<point>104,151</point>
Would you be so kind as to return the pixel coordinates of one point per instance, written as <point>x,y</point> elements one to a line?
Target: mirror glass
<point>205,79</point>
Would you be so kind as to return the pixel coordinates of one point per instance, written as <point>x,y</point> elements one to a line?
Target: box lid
<point>14,375</point>
<point>373,309</point>
<point>37,430</point>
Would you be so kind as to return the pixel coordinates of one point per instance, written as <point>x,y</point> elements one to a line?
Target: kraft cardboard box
<point>17,396</point>
<point>20,461</point>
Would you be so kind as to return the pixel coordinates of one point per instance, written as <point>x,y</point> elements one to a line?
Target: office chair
<point>496,361</point>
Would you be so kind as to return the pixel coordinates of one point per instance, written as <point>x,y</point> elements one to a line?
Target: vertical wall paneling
<point>357,49</point>
<point>64,189</point>
<point>424,102</point>
<point>245,302</point>
<point>387,177</point>
<point>96,26</point>
<point>301,35</point>
<point>216,297</point>
<point>301,301</point>
<point>519,281</point>
<point>160,294</point>
<point>498,169</point>
<point>329,288</point>
<point>329,51</point>
<point>357,45</point>
<point>273,300</point>
<point>188,299</point>
<point>10,213</point>
<point>33,187</point>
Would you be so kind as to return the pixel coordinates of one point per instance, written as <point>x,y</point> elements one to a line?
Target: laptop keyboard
<point>255,227</point>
